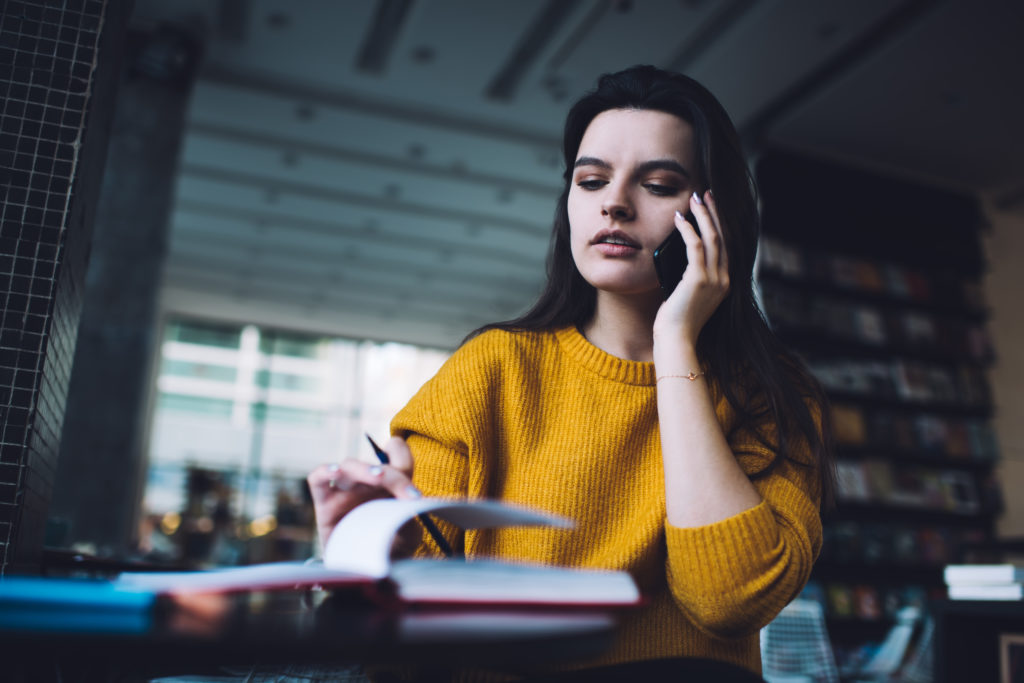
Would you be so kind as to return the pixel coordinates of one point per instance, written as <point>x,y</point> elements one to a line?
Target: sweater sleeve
<point>732,577</point>
<point>439,472</point>
<point>446,424</point>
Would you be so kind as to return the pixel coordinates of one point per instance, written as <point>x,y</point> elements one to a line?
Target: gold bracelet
<point>692,376</point>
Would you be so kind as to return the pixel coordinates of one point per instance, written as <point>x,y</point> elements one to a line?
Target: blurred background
<point>359,184</point>
<point>273,221</point>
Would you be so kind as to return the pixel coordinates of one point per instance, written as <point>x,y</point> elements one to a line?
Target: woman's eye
<point>661,190</point>
<point>591,184</point>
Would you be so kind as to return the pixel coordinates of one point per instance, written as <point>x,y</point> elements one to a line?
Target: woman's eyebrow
<point>591,161</point>
<point>646,167</point>
<point>662,165</point>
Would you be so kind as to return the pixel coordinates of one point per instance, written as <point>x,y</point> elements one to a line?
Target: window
<point>243,414</point>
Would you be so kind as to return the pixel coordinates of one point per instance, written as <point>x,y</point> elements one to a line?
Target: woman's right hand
<point>705,282</point>
<point>337,488</point>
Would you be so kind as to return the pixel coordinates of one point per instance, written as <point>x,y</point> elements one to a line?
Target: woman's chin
<point>626,287</point>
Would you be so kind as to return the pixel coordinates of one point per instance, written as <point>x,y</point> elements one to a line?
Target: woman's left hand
<point>705,282</point>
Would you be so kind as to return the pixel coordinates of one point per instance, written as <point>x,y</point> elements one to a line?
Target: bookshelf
<point>876,283</point>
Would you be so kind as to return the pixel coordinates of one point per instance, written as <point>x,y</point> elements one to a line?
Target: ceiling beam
<point>261,217</point>
<point>417,113</point>
<point>531,45</point>
<point>326,150</point>
<point>383,287</point>
<point>202,247</point>
<point>280,186</point>
<point>711,30</point>
<point>411,303</point>
<point>380,41</point>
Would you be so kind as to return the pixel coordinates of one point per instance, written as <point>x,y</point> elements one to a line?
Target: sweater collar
<point>601,362</point>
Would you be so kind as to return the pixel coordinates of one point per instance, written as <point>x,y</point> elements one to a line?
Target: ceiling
<point>388,169</point>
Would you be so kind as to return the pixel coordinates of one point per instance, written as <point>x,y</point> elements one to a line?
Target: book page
<point>268,576</point>
<point>361,541</point>
<point>497,582</point>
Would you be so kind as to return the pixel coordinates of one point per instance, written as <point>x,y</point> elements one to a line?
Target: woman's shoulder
<point>481,366</point>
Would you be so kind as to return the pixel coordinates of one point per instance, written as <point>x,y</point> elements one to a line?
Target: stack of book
<point>985,581</point>
<point>358,558</point>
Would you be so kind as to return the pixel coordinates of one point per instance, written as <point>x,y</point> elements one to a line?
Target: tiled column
<point>96,499</point>
<point>60,62</point>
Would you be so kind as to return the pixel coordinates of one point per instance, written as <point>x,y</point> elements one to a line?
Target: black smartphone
<point>670,258</point>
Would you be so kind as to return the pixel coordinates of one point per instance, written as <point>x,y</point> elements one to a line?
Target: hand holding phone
<point>670,258</point>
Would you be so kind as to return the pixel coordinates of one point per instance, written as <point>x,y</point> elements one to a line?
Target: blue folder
<point>74,606</point>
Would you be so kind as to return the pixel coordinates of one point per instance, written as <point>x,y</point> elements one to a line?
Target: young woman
<point>688,445</point>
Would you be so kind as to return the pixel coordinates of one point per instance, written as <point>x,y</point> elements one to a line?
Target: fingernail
<point>679,215</point>
<point>333,467</point>
<point>711,194</point>
<point>376,470</point>
<point>696,198</point>
<point>413,492</point>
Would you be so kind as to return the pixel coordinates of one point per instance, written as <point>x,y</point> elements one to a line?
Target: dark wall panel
<point>57,97</point>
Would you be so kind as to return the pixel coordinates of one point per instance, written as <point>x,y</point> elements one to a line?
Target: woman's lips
<point>616,249</point>
<point>615,242</point>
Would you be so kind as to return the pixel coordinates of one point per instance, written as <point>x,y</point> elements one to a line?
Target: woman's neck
<point>623,326</point>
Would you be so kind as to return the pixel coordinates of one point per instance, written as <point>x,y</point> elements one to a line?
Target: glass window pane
<point>289,381</point>
<point>293,345</point>
<point>179,368</point>
<point>242,415</point>
<point>194,404</point>
<point>270,413</point>
<point>222,336</point>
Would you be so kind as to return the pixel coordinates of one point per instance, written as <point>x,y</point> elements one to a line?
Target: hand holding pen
<point>428,523</point>
<point>337,488</point>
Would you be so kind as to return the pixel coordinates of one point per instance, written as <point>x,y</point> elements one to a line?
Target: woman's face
<point>633,171</point>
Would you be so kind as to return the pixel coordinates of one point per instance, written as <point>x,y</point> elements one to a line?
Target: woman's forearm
<point>703,480</point>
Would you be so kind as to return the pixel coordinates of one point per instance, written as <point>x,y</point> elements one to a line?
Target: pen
<point>428,523</point>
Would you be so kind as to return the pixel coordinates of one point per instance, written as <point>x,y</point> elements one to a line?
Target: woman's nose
<point>617,206</point>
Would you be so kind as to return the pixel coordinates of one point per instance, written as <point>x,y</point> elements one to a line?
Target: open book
<point>358,556</point>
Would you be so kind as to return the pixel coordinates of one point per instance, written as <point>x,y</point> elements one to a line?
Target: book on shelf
<point>357,556</point>
<point>994,591</point>
<point>849,424</point>
<point>866,602</point>
<point>846,272</point>
<point>839,598</point>
<point>960,491</point>
<point>918,329</point>
<point>933,544</point>
<point>870,278</point>
<point>957,440</point>
<point>879,474</point>
<point>983,574</point>
<point>869,325</point>
<point>852,481</point>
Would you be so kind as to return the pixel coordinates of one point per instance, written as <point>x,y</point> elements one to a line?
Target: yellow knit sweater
<point>545,419</point>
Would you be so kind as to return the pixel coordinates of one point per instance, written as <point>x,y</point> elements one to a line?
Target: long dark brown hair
<point>766,385</point>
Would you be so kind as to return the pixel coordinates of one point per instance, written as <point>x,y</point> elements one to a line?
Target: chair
<point>795,647</point>
<point>899,658</point>
<point>920,664</point>
<point>887,661</point>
